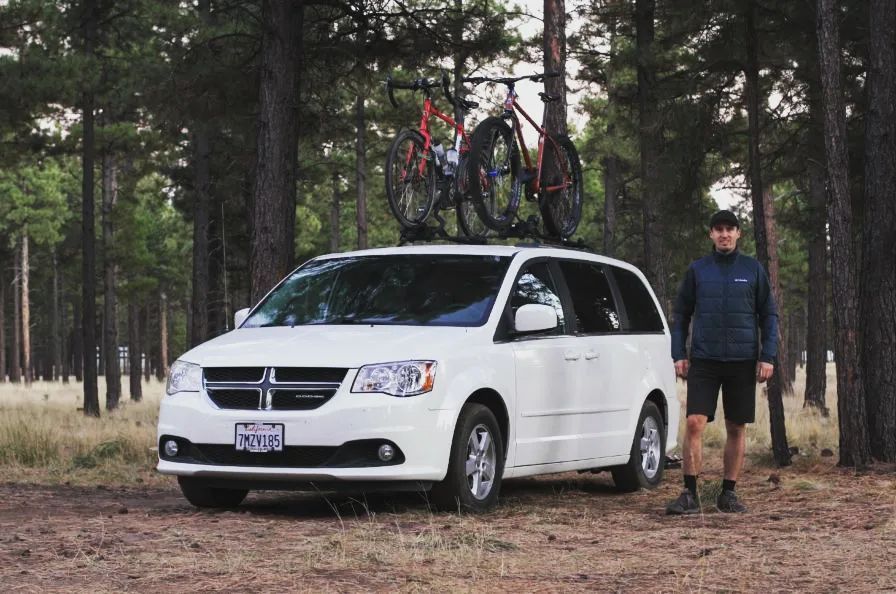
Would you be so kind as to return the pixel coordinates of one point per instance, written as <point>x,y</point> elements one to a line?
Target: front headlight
<point>184,377</point>
<point>402,378</point>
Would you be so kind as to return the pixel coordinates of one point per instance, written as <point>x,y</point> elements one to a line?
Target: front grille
<point>300,398</point>
<point>272,388</point>
<point>309,375</point>
<point>291,456</point>
<point>235,398</point>
<point>234,374</point>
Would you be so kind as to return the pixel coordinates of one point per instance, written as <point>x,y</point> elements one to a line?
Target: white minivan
<point>435,368</point>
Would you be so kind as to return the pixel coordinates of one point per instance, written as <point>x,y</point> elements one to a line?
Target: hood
<point>328,346</point>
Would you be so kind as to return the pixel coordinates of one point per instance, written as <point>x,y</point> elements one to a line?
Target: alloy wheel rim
<point>481,462</point>
<point>651,446</point>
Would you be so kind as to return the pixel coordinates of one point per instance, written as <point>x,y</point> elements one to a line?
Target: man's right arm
<point>681,315</point>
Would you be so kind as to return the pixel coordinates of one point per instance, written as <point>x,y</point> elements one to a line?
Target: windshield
<point>411,289</point>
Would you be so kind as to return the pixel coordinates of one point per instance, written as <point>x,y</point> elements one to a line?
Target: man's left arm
<point>767,311</point>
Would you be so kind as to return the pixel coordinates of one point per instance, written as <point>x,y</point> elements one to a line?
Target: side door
<point>546,367</point>
<point>599,415</point>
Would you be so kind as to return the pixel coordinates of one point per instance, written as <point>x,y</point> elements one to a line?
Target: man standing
<point>729,298</point>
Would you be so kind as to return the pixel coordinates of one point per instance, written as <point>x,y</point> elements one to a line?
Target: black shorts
<point>738,382</point>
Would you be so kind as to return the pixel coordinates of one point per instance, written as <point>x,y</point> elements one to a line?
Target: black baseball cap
<point>724,217</point>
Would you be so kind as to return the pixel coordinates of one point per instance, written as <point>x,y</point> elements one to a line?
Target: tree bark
<point>199,303</point>
<point>3,370</point>
<point>274,194</point>
<point>88,239</point>
<point>110,298</point>
<point>650,142</point>
<point>785,354</point>
<point>162,369</point>
<point>134,351</point>
<point>361,172</point>
<point>764,247</point>
<point>77,341</point>
<point>26,312</point>
<point>554,45</point>
<point>15,364</point>
<point>58,372</point>
<point>854,437</point>
<point>816,326</point>
<point>877,298</point>
<point>334,212</point>
<point>144,334</point>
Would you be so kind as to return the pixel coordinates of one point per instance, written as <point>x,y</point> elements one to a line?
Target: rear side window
<point>536,285</point>
<point>640,308</point>
<point>591,296</point>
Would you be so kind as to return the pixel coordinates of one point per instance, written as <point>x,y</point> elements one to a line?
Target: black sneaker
<point>728,503</point>
<point>685,504</point>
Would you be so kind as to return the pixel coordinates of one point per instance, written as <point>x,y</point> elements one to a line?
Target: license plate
<point>259,437</point>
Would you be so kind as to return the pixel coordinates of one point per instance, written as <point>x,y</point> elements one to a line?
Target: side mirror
<point>535,317</point>
<point>239,317</point>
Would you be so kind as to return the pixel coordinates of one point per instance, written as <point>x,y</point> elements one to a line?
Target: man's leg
<point>735,446</point>
<point>692,448</point>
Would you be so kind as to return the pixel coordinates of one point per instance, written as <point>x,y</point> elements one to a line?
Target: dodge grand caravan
<point>434,368</point>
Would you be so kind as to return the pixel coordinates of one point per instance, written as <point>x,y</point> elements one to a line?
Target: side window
<point>642,313</point>
<point>536,286</point>
<point>591,296</point>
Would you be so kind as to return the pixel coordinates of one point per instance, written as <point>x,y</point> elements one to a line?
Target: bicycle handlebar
<point>416,85</point>
<point>509,80</point>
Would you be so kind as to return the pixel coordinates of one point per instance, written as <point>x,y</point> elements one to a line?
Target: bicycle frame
<point>511,106</point>
<point>461,142</point>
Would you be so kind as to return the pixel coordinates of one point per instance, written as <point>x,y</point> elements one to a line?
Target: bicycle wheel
<point>560,194</point>
<point>467,218</point>
<point>494,173</point>
<point>411,193</point>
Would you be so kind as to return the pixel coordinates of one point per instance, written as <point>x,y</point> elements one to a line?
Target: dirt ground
<point>817,528</point>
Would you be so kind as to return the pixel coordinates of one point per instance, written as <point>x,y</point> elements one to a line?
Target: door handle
<point>571,356</point>
<point>592,355</point>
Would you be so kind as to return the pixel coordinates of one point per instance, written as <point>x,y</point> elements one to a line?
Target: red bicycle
<point>422,176</point>
<point>555,179</point>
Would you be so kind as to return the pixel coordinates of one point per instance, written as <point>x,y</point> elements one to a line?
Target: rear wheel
<point>560,193</point>
<point>410,180</point>
<point>648,454</point>
<point>476,464</point>
<point>201,495</point>
<point>494,173</point>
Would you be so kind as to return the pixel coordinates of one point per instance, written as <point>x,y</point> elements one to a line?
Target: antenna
<point>226,295</point>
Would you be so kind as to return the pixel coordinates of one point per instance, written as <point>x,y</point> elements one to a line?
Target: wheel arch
<point>658,398</point>
<point>493,401</point>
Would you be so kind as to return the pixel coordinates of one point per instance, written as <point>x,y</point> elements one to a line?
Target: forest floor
<point>812,527</point>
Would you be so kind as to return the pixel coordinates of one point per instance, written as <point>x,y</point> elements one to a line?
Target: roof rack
<point>524,230</point>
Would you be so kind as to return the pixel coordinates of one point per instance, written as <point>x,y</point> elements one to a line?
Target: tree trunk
<point>15,364</point>
<point>650,142</point>
<point>334,212</point>
<point>816,326</point>
<point>361,172</point>
<point>854,437</point>
<point>877,298</point>
<point>554,45</point>
<point>162,369</point>
<point>69,334</point>
<point>77,341</point>
<point>58,372</point>
<point>110,299</point>
<point>26,313</point>
<point>274,195</point>
<point>144,334</point>
<point>764,246</point>
<point>201,199</point>
<point>3,371</point>
<point>88,239</point>
<point>136,387</point>
<point>785,354</point>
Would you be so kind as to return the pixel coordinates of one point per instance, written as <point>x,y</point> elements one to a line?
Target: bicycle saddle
<point>548,98</point>
<point>468,105</point>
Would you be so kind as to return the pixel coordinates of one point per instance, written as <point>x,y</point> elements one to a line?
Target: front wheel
<point>410,180</point>
<point>648,454</point>
<point>560,187</point>
<point>467,218</point>
<point>494,173</point>
<point>201,495</point>
<point>476,463</point>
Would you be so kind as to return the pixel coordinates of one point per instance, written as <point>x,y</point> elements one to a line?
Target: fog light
<point>171,448</point>
<point>386,452</point>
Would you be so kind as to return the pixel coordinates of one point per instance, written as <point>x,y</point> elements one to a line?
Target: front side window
<point>591,296</point>
<point>411,289</point>
<point>535,285</point>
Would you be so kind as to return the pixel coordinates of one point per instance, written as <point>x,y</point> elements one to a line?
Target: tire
<point>560,209</point>
<point>494,174</point>
<point>468,220</point>
<point>464,489</point>
<point>648,455</point>
<point>411,195</point>
<point>201,495</point>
